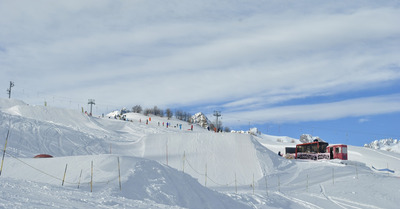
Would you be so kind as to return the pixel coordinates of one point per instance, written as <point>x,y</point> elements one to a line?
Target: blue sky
<point>316,67</point>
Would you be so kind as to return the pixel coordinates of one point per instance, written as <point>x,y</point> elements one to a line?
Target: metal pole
<point>91,102</point>
<point>279,184</point>
<point>119,175</point>
<point>9,90</point>
<point>184,157</point>
<point>307,182</point>
<point>166,151</point>
<point>253,184</point>
<point>217,114</point>
<point>79,182</point>
<point>235,183</point>
<point>91,178</point>
<point>205,182</point>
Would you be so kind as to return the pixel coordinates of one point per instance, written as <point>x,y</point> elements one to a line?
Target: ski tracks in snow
<point>344,203</point>
<point>339,202</point>
<point>387,155</point>
<point>298,201</point>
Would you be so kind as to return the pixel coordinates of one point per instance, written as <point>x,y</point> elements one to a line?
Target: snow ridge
<point>392,145</point>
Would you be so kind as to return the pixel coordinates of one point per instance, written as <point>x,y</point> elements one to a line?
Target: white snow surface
<point>392,145</point>
<point>174,167</point>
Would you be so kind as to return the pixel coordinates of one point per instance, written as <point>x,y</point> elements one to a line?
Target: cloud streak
<point>318,112</point>
<point>237,56</point>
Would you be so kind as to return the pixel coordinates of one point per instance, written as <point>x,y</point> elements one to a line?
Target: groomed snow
<point>174,167</point>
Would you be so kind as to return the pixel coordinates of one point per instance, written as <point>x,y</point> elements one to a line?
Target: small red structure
<point>338,151</point>
<point>43,156</point>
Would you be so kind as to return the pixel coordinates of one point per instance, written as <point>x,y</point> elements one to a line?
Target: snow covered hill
<point>201,119</point>
<point>139,162</point>
<point>392,145</point>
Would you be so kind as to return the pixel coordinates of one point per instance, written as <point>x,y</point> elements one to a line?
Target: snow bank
<point>142,179</point>
<point>164,185</point>
<point>8,103</point>
<point>220,155</point>
<point>29,137</point>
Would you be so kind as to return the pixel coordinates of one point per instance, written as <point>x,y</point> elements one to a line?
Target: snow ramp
<point>214,159</point>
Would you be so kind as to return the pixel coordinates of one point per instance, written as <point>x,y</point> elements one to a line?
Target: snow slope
<point>142,179</point>
<point>174,167</point>
<point>392,145</point>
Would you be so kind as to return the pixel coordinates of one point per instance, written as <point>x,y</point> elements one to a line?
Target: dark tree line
<point>154,111</point>
<point>182,115</point>
<point>137,109</point>
<point>169,113</point>
<point>179,114</point>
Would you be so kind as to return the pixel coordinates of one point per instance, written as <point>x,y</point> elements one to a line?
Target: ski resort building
<point>320,150</point>
<point>338,151</point>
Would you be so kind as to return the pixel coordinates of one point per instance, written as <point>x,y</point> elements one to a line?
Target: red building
<point>320,150</point>
<point>338,151</point>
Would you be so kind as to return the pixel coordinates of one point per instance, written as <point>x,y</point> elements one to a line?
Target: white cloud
<point>317,112</point>
<point>252,55</point>
<point>363,120</point>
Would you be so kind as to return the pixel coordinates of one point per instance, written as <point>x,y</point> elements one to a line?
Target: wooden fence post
<point>65,172</point>
<point>79,182</point>
<point>4,152</point>
<point>91,178</point>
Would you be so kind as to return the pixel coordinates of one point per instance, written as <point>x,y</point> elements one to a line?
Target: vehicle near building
<point>290,152</point>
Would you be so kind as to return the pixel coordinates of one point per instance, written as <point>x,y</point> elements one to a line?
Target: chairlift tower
<point>91,102</point>
<point>9,89</point>
<point>217,114</point>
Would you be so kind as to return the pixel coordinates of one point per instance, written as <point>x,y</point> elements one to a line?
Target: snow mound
<point>29,137</point>
<point>141,180</point>
<point>113,114</point>
<point>213,153</point>
<point>7,103</point>
<point>164,185</point>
